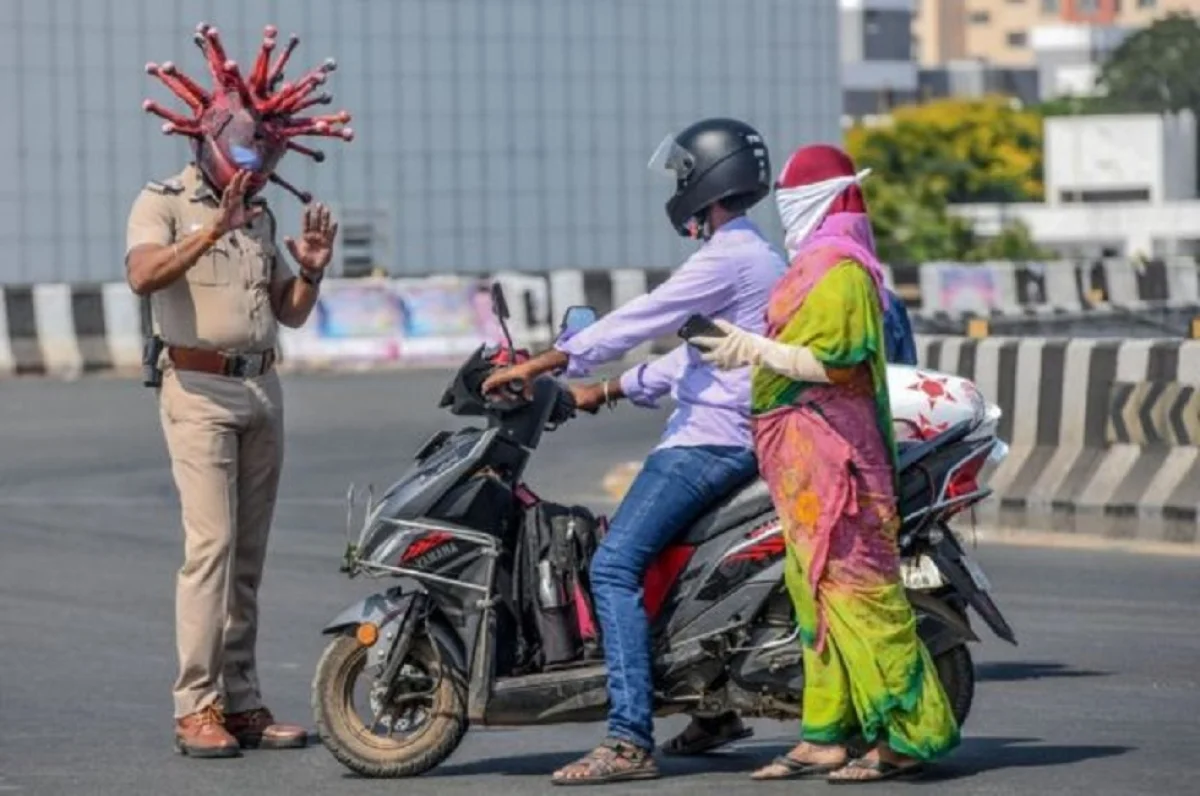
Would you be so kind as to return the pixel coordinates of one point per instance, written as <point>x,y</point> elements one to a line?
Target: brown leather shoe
<point>257,728</point>
<point>202,734</point>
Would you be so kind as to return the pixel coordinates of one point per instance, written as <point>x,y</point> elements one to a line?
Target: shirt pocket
<point>261,263</point>
<point>213,267</point>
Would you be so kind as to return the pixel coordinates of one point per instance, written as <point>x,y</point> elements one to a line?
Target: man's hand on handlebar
<point>513,380</point>
<point>526,372</point>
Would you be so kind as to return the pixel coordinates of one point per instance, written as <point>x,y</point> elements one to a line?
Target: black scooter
<point>481,626</point>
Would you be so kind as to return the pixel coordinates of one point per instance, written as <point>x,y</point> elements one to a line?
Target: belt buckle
<point>244,366</point>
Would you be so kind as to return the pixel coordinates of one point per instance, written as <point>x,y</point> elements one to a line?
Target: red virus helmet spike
<point>323,99</point>
<point>233,77</point>
<point>277,70</point>
<point>258,76</point>
<point>185,89</point>
<point>315,154</point>
<point>216,54</point>
<point>303,196</point>
<point>171,116</point>
<point>291,94</point>
<point>248,122</point>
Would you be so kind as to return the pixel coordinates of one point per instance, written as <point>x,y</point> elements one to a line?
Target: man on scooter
<point>721,169</point>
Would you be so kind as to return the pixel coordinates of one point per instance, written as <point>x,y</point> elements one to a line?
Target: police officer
<point>202,247</point>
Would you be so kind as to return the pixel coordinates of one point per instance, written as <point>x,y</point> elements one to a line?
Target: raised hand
<point>314,250</point>
<point>233,211</point>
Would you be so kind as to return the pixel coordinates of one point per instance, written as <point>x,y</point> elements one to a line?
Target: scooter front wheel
<point>432,718</point>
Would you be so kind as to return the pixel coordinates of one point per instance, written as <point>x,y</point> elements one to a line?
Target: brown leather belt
<point>243,366</point>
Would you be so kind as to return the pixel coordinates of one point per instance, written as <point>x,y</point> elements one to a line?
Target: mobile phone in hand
<point>699,326</point>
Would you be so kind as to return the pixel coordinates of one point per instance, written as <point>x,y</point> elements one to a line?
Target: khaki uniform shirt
<point>224,301</point>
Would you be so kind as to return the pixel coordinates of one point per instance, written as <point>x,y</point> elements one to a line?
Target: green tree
<point>1155,69</point>
<point>929,156</point>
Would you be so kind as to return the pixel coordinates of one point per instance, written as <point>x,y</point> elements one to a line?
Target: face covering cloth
<point>803,207</point>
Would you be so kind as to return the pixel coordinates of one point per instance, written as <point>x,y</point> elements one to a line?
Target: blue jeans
<point>675,486</point>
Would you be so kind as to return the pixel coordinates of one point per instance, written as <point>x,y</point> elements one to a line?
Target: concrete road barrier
<point>1104,433</point>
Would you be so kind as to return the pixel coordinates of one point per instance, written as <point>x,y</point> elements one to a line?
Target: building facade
<point>878,66</point>
<point>489,135</point>
<point>1002,32</point>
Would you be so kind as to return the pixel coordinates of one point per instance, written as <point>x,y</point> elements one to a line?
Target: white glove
<point>739,348</point>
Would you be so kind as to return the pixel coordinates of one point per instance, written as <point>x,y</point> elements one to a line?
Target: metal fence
<point>491,134</point>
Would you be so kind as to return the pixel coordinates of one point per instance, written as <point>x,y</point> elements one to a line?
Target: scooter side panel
<point>725,582</point>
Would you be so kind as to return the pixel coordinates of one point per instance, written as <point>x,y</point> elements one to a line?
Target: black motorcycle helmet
<point>713,160</point>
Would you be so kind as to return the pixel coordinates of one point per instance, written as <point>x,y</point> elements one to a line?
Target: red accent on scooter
<point>526,497</point>
<point>771,547</point>
<point>424,544</point>
<point>662,574</point>
<point>502,359</point>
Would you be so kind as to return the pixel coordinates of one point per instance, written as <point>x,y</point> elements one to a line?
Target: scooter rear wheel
<point>440,718</point>
<point>956,670</point>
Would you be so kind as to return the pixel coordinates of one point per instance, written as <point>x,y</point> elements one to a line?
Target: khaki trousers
<point>225,439</point>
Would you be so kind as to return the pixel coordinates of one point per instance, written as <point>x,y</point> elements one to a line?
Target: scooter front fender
<point>379,609</point>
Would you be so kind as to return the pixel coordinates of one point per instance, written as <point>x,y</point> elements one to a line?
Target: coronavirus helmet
<point>247,123</point>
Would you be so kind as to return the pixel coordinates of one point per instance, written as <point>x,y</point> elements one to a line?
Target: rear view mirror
<point>577,318</point>
<point>499,305</point>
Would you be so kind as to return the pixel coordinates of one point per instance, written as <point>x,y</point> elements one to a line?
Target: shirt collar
<point>739,224</point>
<point>198,189</point>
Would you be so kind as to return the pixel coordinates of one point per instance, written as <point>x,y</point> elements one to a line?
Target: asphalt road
<point>1101,697</point>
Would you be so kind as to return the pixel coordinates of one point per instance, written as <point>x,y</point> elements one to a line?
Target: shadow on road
<point>1017,671</point>
<point>975,756</point>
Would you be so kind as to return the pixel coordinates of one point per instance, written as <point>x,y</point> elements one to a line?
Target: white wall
<point>1121,152</point>
<point>1137,229</point>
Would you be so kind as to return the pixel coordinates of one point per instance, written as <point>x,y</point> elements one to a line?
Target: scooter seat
<point>749,501</point>
<point>911,452</point>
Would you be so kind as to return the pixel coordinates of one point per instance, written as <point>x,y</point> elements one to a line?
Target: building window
<point>1051,7</point>
<point>1017,38</point>
<point>980,17</point>
<point>1088,6</point>
<point>1147,3</point>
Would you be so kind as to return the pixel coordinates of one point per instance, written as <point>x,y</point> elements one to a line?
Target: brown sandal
<point>612,761</point>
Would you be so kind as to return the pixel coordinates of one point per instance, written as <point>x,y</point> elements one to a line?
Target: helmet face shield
<point>236,140</point>
<point>671,160</point>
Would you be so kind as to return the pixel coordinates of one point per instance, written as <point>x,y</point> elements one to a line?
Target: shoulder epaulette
<point>171,186</point>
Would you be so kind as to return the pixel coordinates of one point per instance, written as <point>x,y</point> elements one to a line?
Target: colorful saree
<point>828,454</point>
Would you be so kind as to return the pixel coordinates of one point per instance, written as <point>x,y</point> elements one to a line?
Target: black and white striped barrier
<point>1104,435</point>
<point>66,330</point>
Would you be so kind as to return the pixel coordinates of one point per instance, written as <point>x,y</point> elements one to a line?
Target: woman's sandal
<point>881,768</point>
<point>698,737</point>
<point>795,769</point>
<point>611,761</point>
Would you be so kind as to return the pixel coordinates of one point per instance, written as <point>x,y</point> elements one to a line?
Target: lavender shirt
<point>730,276</point>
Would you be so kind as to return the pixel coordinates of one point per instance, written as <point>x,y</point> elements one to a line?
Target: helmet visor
<point>672,160</point>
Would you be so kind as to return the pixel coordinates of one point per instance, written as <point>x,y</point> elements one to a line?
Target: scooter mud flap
<point>938,626</point>
<point>949,558</point>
